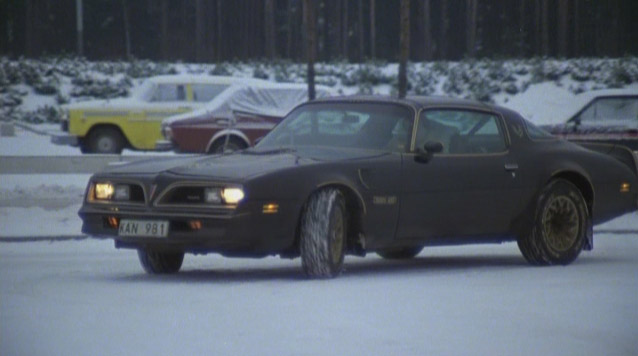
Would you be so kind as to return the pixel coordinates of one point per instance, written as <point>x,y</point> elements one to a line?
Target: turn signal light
<point>195,225</point>
<point>113,222</point>
<point>270,208</point>
<point>625,187</point>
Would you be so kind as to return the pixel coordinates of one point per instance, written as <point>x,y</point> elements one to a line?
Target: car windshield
<point>376,126</point>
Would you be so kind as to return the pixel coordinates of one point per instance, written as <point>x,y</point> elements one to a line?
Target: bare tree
<point>576,41</point>
<point>404,44</point>
<point>470,36</point>
<point>127,28</point>
<point>311,49</point>
<point>269,27</point>
<point>79,13</point>
<point>219,33</point>
<point>562,27</point>
<point>345,28</point>
<point>360,30</point>
<point>545,27</point>
<point>522,16</point>
<point>199,30</point>
<point>373,30</point>
<point>164,29</point>
<point>445,25</point>
<point>427,30</point>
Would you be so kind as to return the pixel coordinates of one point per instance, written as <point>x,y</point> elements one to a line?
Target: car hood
<point>242,165</point>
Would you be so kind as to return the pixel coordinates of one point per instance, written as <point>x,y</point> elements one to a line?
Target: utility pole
<point>80,27</point>
<point>311,47</point>
<point>404,44</point>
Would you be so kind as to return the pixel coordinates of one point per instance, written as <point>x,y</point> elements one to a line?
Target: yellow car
<point>108,126</point>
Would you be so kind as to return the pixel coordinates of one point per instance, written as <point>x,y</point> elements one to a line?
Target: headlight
<point>104,191</point>
<point>109,191</point>
<point>212,195</point>
<point>232,195</point>
<point>167,132</point>
<point>122,192</point>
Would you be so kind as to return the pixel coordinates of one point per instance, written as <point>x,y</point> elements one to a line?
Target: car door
<point>467,189</point>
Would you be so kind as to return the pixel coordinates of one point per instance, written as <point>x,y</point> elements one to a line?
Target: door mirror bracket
<point>424,155</point>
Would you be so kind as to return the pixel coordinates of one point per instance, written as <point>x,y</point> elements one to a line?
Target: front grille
<point>184,195</point>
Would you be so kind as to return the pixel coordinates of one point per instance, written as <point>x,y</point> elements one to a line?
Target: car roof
<point>203,79</point>
<point>418,102</point>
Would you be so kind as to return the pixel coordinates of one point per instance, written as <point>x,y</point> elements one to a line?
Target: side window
<point>169,92</point>
<point>204,93</point>
<point>611,109</point>
<point>461,131</point>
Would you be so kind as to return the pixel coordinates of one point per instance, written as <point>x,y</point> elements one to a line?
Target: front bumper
<point>65,139</point>
<point>164,145</point>
<point>246,231</point>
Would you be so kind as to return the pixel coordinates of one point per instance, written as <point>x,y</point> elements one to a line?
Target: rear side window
<point>611,109</point>
<point>461,131</point>
<point>169,92</point>
<point>204,93</point>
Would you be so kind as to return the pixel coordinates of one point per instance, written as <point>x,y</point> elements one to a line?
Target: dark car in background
<point>354,175</point>
<point>237,118</point>
<point>608,116</point>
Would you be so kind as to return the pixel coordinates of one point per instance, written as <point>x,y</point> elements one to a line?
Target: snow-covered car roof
<point>138,94</point>
<point>266,98</point>
<point>201,78</point>
<point>547,104</point>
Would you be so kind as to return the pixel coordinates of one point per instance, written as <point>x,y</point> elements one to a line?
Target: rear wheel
<point>400,253</point>
<point>156,262</point>
<point>105,140</point>
<point>559,231</point>
<point>323,234</point>
<point>220,146</point>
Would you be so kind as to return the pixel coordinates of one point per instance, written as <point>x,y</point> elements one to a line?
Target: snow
<point>87,298</point>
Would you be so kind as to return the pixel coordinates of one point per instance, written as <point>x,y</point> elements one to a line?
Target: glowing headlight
<point>104,191</point>
<point>232,195</point>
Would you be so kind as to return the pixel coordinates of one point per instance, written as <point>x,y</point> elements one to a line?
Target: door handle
<point>511,167</point>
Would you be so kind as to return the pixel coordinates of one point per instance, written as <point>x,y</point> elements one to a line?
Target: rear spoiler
<point>619,152</point>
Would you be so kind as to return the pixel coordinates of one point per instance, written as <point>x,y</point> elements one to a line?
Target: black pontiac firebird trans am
<point>361,174</point>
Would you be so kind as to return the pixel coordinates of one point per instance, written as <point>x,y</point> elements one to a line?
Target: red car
<point>236,118</point>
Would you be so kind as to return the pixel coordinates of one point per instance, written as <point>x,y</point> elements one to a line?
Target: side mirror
<point>425,154</point>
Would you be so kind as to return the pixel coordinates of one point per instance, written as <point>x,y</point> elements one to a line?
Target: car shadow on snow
<point>355,268</point>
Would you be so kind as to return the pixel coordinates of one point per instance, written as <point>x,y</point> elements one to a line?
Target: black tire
<point>324,227</point>
<point>559,229</point>
<point>105,140</point>
<point>220,146</point>
<point>400,253</point>
<point>155,262</point>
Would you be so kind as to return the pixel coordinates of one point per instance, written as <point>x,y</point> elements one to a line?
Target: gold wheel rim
<point>561,223</point>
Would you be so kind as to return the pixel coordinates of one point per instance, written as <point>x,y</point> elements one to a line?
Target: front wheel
<point>323,234</point>
<point>559,231</point>
<point>156,262</point>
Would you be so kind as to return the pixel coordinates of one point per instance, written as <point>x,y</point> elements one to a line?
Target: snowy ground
<point>86,298</point>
